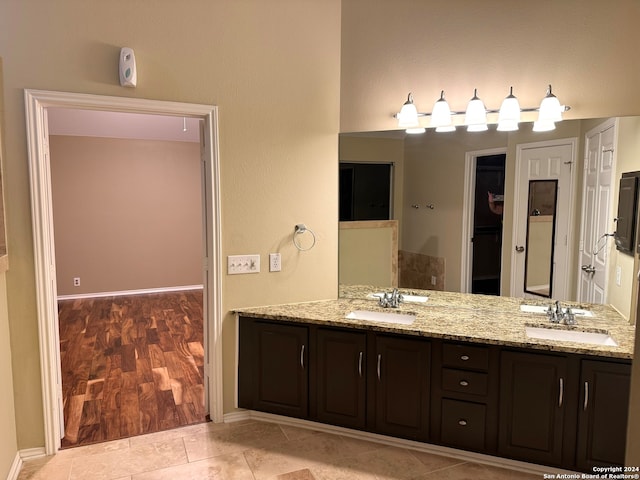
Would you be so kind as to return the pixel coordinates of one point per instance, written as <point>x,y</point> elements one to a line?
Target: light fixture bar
<point>549,112</point>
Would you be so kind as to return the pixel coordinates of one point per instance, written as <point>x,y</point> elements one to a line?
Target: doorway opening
<point>37,105</point>
<point>129,314</point>
<point>482,221</point>
<point>487,224</point>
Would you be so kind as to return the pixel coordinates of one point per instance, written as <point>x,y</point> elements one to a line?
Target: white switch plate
<point>275,263</point>
<point>239,264</point>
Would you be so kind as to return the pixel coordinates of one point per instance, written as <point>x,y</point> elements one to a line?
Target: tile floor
<point>253,450</point>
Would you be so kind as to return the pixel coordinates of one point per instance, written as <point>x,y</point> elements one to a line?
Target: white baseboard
<point>21,457</point>
<point>144,291</point>
<point>16,466</point>
<point>399,442</point>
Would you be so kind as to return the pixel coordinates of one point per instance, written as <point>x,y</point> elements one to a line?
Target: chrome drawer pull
<point>561,395</point>
<point>464,383</point>
<point>586,395</point>
<point>379,358</point>
<point>464,357</point>
<point>360,365</point>
<point>462,423</point>
<point>302,356</point>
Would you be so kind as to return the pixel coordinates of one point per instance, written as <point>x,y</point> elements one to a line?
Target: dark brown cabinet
<point>532,400</point>
<point>465,396</point>
<point>603,409</point>
<point>550,408</point>
<point>273,368</point>
<point>341,377</point>
<point>401,383</point>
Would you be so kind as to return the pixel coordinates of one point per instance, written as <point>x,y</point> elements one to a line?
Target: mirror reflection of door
<point>538,278</point>
<point>487,224</point>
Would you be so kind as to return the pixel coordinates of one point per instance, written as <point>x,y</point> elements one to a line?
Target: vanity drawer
<point>465,356</point>
<point>463,424</point>
<point>463,381</point>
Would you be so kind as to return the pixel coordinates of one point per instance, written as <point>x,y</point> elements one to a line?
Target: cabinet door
<point>602,422</point>
<point>341,377</point>
<point>402,369</point>
<point>274,360</point>
<point>532,388</point>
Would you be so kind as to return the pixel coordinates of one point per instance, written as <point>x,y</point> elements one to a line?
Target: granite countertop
<point>459,316</point>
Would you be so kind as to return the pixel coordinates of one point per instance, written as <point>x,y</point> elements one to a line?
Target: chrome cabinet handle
<point>462,422</point>
<point>586,396</point>
<point>464,383</point>
<point>561,395</point>
<point>464,358</point>
<point>360,365</point>
<point>378,368</point>
<point>302,356</point>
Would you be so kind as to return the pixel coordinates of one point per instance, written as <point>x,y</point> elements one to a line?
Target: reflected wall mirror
<point>541,228</point>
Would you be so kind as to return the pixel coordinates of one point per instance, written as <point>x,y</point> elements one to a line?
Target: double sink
<point>558,333</point>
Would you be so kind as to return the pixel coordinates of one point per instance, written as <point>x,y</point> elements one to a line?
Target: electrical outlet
<point>76,281</point>
<point>239,264</point>
<point>275,263</point>
<point>434,280</point>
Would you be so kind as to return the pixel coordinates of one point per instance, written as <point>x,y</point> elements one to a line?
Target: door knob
<point>588,268</point>
<point>519,249</point>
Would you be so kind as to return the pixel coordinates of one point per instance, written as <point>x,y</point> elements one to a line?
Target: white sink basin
<point>575,336</point>
<point>543,310</point>
<point>406,298</point>
<point>387,317</point>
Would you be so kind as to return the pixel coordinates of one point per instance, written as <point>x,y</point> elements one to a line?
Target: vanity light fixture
<point>549,112</point>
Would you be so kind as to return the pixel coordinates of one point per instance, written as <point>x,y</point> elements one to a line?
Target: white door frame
<point>468,209</point>
<point>36,103</point>
<point>518,222</point>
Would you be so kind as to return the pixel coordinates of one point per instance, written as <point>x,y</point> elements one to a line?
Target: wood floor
<point>131,365</point>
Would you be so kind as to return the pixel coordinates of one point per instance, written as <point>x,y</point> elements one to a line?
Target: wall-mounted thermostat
<point>128,74</point>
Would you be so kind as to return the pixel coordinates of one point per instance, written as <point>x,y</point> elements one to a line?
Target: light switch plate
<point>240,264</point>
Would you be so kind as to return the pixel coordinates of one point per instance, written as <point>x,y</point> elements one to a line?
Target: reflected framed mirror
<point>541,230</point>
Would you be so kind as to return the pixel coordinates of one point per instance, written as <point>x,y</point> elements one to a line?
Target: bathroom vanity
<point>464,374</point>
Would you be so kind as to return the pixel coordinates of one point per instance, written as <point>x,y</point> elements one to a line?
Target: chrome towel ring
<point>299,230</point>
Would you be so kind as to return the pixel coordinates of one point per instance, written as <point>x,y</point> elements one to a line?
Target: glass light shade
<point>509,114</point>
<point>413,131</point>
<point>507,126</point>
<point>543,125</point>
<point>441,113</point>
<point>446,128</point>
<point>550,108</point>
<point>476,114</point>
<point>478,127</point>
<point>408,116</point>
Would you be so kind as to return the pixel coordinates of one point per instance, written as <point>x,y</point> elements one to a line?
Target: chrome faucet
<point>391,300</point>
<point>556,314</point>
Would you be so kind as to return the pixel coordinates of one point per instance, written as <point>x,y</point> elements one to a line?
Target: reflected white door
<point>596,213</point>
<point>544,161</point>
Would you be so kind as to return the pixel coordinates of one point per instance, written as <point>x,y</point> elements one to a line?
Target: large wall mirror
<point>541,228</point>
<point>428,201</point>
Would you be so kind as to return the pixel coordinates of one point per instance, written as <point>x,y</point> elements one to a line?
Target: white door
<point>596,213</point>
<point>544,161</point>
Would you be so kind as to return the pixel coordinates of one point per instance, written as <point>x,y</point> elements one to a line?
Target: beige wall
<point>8,439</point>
<point>127,213</point>
<point>627,160</point>
<point>272,68</point>
<point>582,47</point>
